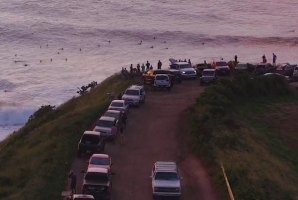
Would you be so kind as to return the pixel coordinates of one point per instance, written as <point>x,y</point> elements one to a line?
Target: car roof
<point>162,166</point>
<point>117,101</point>
<point>83,196</point>
<point>97,170</point>
<point>91,133</point>
<point>209,70</point>
<point>106,118</point>
<point>98,155</point>
<point>181,63</point>
<point>136,87</point>
<point>162,75</point>
<point>113,111</point>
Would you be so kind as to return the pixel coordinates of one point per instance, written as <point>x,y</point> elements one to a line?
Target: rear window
<point>166,176</point>
<point>117,104</point>
<point>90,139</point>
<point>95,176</point>
<point>100,161</point>
<point>104,123</point>
<point>185,66</point>
<point>161,77</point>
<point>221,64</point>
<point>132,92</point>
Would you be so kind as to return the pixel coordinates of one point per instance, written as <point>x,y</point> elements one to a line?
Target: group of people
<point>139,69</point>
<point>274,57</point>
<point>264,59</point>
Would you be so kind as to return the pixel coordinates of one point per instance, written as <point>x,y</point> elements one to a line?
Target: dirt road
<point>150,136</point>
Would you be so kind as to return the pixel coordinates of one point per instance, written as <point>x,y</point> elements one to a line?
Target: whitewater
<point>49,48</point>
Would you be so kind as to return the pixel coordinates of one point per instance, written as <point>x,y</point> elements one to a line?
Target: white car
<point>165,180</point>
<point>101,161</point>
<point>187,71</point>
<point>162,81</point>
<point>120,105</point>
<point>221,67</point>
<point>107,126</point>
<point>134,95</point>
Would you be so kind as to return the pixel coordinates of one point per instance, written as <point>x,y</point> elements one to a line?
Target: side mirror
<point>150,176</point>
<point>181,178</point>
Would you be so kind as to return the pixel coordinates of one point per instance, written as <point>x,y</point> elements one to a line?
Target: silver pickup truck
<point>165,180</point>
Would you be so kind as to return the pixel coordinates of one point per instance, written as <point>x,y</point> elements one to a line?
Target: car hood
<point>223,67</point>
<point>165,183</point>
<point>188,70</point>
<point>134,97</point>
<point>208,77</point>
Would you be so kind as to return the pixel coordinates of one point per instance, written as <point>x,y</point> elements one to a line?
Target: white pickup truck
<point>165,180</point>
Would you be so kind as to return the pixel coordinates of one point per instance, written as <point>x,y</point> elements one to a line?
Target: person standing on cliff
<point>147,65</point>
<point>159,64</point>
<point>274,59</point>
<point>264,59</point>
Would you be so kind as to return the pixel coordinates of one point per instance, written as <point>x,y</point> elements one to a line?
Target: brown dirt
<point>150,136</point>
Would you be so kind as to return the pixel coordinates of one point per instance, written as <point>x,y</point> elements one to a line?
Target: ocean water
<point>49,48</point>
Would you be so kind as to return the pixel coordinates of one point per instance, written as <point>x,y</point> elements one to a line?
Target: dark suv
<point>91,142</point>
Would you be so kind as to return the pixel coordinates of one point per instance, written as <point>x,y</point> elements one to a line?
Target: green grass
<point>226,125</point>
<point>35,160</point>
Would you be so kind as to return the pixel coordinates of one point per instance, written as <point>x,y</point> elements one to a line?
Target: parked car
<point>162,81</point>
<point>134,95</point>
<point>186,70</point>
<point>262,68</point>
<point>149,76</point>
<point>166,181</point>
<point>82,197</point>
<point>107,126</point>
<point>221,67</point>
<point>177,74</point>
<point>286,78</point>
<point>97,182</point>
<point>201,66</point>
<point>118,115</point>
<point>208,76</point>
<point>295,72</point>
<point>91,142</point>
<point>242,68</point>
<point>285,69</point>
<point>120,105</point>
<point>101,161</point>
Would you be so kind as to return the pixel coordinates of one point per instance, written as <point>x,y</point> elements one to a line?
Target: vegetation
<point>35,160</point>
<point>227,126</point>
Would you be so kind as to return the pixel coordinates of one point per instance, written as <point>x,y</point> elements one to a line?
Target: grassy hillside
<point>227,125</point>
<point>35,160</point>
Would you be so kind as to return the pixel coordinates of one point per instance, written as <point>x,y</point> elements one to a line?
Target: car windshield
<point>95,176</point>
<point>208,73</point>
<point>117,104</point>
<point>185,66</point>
<point>100,161</point>
<point>221,64</point>
<point>132,92</point>
<point>104,123</point>
<point>90,139</point>
<point>112,114</point>
<point>166,176</point>
<point>161,77</point>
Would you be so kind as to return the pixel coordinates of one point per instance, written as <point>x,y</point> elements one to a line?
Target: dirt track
<point>150,136</point>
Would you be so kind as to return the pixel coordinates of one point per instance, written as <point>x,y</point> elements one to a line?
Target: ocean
<point>49,48</point>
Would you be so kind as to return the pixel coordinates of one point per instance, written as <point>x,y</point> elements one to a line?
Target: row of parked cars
<point>97,181</point>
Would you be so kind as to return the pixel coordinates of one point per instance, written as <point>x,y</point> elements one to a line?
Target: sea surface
<point>49,48</point>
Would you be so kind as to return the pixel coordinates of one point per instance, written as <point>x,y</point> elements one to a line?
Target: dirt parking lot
<point>150,136</point>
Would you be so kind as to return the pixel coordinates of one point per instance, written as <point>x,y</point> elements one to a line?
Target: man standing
<point>159,64</point>
<point>274,58</point>
<point>73,182</point>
